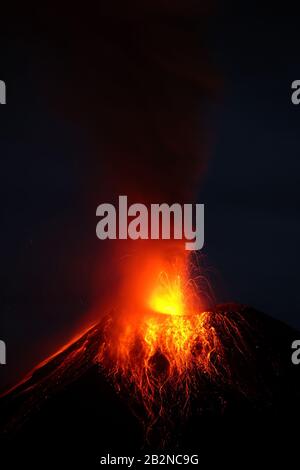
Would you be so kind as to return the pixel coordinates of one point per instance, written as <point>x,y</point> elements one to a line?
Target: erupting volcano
<point>158,362</point>
<point>159,353</point>
<point>161,366</point>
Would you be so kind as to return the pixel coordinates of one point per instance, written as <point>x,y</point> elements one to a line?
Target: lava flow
<point>158,354</point>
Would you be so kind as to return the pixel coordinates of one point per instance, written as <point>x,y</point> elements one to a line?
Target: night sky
<point>250,187</point>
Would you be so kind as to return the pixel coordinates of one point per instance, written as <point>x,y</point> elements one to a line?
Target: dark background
<point>250,188</point>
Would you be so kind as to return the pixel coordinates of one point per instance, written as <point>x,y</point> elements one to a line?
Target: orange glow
<point>168,296</point>
<point>171,292</point>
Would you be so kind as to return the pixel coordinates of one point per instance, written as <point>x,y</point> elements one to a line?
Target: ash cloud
<point>138,77</point>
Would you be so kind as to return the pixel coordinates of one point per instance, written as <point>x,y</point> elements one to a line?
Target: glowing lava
<point>168,296</point>
<point>167,359</point>
<point>157,355</point>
